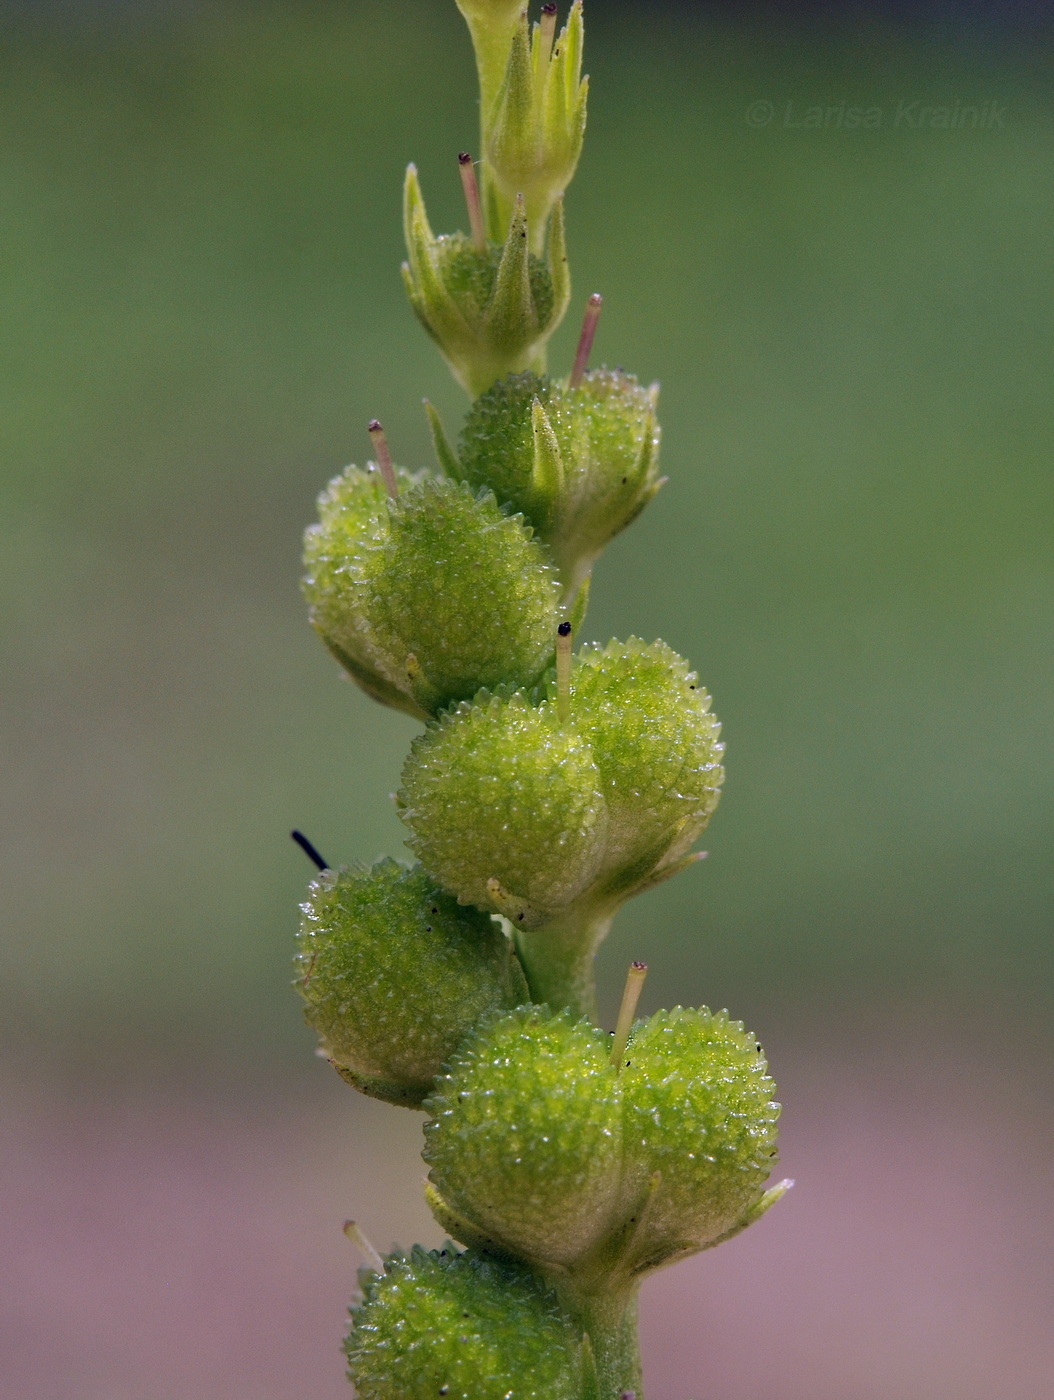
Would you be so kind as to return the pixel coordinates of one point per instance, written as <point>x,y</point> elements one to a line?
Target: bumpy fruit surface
<point>655,745</point>
<point>431,596</point>
<point>580,463</point>
<point>698,1109</point>
<point>540,1146</point>
<point>463,1327</point>
<point>504,807</point>
<point>523,1138</point>
<point>525,816</point>
<point>395,973</point>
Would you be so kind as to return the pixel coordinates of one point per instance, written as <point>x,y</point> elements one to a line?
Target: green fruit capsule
<point>504,808</point>
<point>524,1136</point>
<point>699,1131</point>
<point>395,973</point>
<point>430,596</point>
<point>462,1327</point>
<point>580,462</point>
<point>655,745</point>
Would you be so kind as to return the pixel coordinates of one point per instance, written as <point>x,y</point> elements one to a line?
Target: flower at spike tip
<point>489,306</point>
<point>427,595</point>
<point>465,1327</point>
<point>533,132</point>
<point>579,458</point>
<point>566,808</point>
<point>541,1145</point>
<point>394,973</point>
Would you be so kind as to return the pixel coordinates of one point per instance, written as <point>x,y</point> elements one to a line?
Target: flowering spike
<point>585,339</point>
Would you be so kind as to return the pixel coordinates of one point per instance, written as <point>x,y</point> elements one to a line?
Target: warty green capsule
<point>426,597</point>
<point>442,1325</point>
<point>395,973</point>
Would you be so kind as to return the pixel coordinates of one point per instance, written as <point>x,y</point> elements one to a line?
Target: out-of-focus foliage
<point>202,309</point>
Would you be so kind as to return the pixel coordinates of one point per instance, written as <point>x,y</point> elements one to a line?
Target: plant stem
<point>610,1319</point>
<point>558,959</point>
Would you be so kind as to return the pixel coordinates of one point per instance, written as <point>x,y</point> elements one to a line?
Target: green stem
<point>558,959</point>
<point>610,1320</point>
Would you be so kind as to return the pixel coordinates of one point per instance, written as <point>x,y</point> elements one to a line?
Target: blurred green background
<point>199,248</point>
<point>200,226</point>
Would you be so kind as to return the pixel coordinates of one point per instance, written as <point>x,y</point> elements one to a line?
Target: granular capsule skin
<point>504,809</point>
<point>524,1134</point>
<point>427,598</point>
<point>464,1327</point>
<point>698,1109</point>
<point>394,973</point>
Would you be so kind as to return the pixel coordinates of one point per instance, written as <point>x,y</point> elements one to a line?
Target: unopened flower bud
<point>395,973</point>
<point>490,310</point>
<point>430,596</point>
<point>464,1327</point>
<point>533,133</point>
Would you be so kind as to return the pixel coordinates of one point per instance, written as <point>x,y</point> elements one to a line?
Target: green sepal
<point>387,1090</point>
<point>462,1230</point>
<point>445,454</point>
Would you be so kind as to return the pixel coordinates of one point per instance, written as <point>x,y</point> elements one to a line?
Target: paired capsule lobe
<point>525,815</point>
<point>461,1326</point>
<point>538,1144</point>
<point>427,597</point>
<point>394,973</point>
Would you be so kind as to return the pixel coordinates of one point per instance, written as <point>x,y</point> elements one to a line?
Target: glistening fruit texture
<point>546,788</point>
